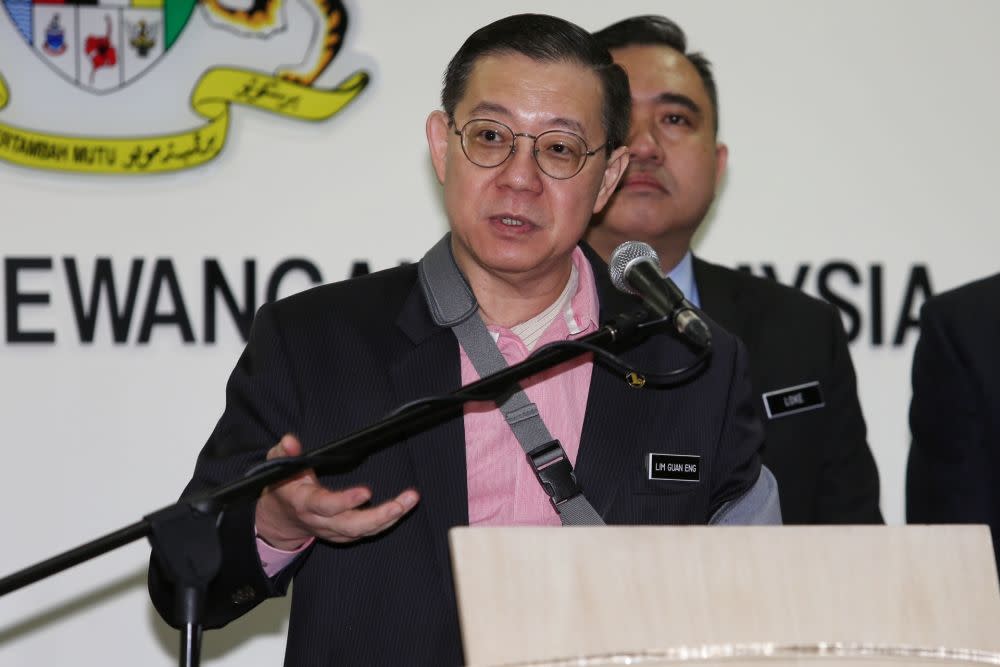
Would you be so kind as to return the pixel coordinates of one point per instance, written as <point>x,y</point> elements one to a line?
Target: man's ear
<point>438,131</point>
<point>613,173</point>
<point>721,159</point>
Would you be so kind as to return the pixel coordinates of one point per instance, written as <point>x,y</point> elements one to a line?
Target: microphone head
<point>623,257</point>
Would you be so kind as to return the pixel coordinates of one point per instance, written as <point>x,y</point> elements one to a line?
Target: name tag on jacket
<point>677,467</point>
<point>793,400</point>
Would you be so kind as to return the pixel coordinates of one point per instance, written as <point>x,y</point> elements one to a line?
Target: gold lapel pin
<point>635,380</point>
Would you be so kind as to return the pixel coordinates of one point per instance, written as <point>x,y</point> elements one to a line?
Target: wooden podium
<point>727,595</point>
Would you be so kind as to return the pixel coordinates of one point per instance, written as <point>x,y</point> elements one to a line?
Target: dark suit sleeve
<point>948,477</point>
<point>262,404</point>
<point>849,486</point>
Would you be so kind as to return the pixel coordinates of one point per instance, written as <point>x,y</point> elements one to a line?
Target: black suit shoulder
<point>959,330</point>
<point>825,469</point>
<point>970,311</point>
<point>953,468</point>
<point>978,293</point>
<point>773,303</point>
<point>369,300</point>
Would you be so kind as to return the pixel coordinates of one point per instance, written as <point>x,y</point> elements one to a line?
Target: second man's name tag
<point>792,400</point>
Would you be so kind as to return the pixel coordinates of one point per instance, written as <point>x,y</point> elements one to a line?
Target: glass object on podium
<point>833,654</point>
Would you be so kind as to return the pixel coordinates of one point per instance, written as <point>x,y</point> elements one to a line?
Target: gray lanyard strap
<point>452,304</point>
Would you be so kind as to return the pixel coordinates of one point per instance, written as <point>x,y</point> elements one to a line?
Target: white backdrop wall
<point>863,148</point>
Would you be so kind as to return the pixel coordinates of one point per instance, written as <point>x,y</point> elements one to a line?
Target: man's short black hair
<point>544,39</point>
<point>652,30</point>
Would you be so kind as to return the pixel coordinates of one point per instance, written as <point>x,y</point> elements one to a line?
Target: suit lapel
<point>610,420</point>
<point>613,416</point>
<point>430,367</point>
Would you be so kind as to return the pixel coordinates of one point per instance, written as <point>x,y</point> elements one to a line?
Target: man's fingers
<point>408,499</point>
<point>326,504</point>
<point>291,511</point>
<point>301,505</point>
<point>357,523</point>
<point>289,445</point>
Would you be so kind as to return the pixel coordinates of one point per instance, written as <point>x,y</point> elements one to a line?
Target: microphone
<point>635,269</point>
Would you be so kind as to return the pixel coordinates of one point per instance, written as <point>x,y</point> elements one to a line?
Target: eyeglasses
<point>559,154</point>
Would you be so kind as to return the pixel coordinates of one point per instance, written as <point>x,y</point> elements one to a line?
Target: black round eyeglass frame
<point>534,143</point>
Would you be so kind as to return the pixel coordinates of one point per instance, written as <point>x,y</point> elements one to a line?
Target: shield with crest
<point>100,45</point>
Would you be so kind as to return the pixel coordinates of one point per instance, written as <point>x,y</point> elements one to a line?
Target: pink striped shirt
<point>503,489</point>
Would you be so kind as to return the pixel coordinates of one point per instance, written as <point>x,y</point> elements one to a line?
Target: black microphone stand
<point>184,536</point>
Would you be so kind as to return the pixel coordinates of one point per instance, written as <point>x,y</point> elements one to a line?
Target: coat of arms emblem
<point>102,47</point>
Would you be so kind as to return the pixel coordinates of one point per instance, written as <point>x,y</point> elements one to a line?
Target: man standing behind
<point>801,369</point>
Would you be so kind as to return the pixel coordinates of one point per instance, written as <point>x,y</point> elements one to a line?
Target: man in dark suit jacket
<point>953,472</point>
<point>368,555</point>
<point>803,379</point>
